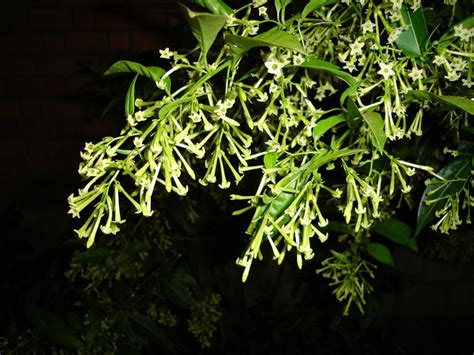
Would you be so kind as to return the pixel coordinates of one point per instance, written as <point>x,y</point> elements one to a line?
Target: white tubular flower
<point>356,48</point>
<point>386,70</point>
<point>275,64</point>
<point>262,11</point>
<point>416,74</point>
<point>368,26</point>
<point>166,53</point>
<point>462,32</point>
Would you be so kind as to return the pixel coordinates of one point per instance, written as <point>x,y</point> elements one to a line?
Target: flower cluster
<point>317,104</point>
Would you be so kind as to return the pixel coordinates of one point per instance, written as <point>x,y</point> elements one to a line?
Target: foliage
<point>334,107</point>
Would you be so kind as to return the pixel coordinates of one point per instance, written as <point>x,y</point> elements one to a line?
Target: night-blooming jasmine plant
<point>333,103</point>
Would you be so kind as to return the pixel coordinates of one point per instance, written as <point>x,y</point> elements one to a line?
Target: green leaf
<point>217,7</point>
<point>339,227</point>
<point>130,98</point>
<point>380,252</point>
<point>313,5</point>
<point>318,64</point>
<point>376,126</point>
<point>396,231</point>
<point>321,159</point>
<point>454,101</point>
<point>456,175</point>
<point>269,159</point>
<point>326,124</point>
<point>413,40</point>
<point>178,289</point>
<point>281,4</point>
<point>204,27</point>
<point>339,256</point>
<point>272,38</point>
<point>145,325</point>
<point>153,73</point>
<point>92,256</point>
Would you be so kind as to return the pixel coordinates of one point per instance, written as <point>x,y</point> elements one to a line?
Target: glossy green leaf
<point>318,64</point>
<point>380,252</point>
<point>326,124</point>
<point>314,5</point>
<point>376,126</point>
<point>346,94</point>
<point>217,7</point>
<point>125,66</point>
<point>204,27</point>
<point>454,101</point>
<point>272,38</point>
<point>130,98</point>
<point>269,159</point>
<point>396,231</point>
<point>323,158</point>
<point>456,175</point>
<point>413,40</point>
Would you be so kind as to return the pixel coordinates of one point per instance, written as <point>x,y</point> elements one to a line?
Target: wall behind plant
<point>49,50</point>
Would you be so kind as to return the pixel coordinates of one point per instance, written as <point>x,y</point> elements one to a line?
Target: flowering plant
<point>333,104</point>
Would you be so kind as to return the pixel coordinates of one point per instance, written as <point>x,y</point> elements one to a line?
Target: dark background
<point>52,54</point>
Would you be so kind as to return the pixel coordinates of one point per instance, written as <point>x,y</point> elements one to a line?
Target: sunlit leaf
<point>153,73</point>
<point>318,64</point>
<point>326,124</point>
<point>272,38</point>
<point>452,101</point>
<point>313,5</point>
<point>130,98</point>
<point>217,7</point>
<point>204,27</point>
<point>376,126</point>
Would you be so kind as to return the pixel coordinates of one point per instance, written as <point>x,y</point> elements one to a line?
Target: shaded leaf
<point>146,326</point>
<point>318,64</point>
<point>272,38</point>
<point>396,231</point>
<point>92,256</point>
<point>455,101</point>
<point>204,27</point>
<point>338,227</point>
<point>326,124</point>
<point>380,252</point>
<point>413,40</point>
<point>130,98</point>
<point>456,175</point>
<point>340,257</point>
<point>376,126</point>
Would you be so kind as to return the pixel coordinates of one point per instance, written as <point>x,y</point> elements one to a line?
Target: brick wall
<point>45,118</point>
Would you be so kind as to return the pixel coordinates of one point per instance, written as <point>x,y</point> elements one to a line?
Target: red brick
<point>86,41</point>
<point>17,64</point>
<point>32,108</point>
<point>84,18</point>
<point>13,19</point>
<point>20,42</point>
<point>96,130</point>
<point>55,65</point>
<point>156,17</point>
<point>120,40</point>
<point>148,40</point>
<point>117,18</point>
<point>51,19</point>
<point>57,108</point>
<point>10,108</point>
<point>54,42</point>
<point>76,85</point>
